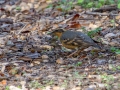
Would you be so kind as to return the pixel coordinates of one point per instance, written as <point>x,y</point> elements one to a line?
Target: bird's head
<point>57,32</point>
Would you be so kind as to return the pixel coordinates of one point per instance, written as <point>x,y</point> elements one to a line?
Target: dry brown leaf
<point>13,71</point>
<point>46,47</point>
<point>1,56</point>
<point>45,57</point>
<point>74,25</point>
<point>60,61</point>
<point>1,74</point>
<point>3,82</point>
<point>55,13</point>
<point>118,56</point>
<point>42,6</point>
<point>76,88</point>
<point>56,88</point>
<point>75,17</point>
<point>36,62</point>
<point>59,9</point>
<point>117,17</point>
<point>55,26</point>
<point>92,26</point>
<point>25,12</point>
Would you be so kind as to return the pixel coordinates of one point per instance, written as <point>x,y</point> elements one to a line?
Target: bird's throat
<point>59,34</point>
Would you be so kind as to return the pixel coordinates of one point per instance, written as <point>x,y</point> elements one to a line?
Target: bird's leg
<point>72,53</point>
<point>78,51</point>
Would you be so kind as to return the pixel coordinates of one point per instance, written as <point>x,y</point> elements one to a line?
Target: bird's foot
<point>72,54</point>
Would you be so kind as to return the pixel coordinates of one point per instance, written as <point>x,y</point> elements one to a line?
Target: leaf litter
<point>29,60</point>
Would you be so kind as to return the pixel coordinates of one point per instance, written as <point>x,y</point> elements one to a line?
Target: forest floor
<point>31,61</point>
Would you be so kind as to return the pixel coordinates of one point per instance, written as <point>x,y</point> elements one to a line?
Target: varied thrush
<point>74,39</point>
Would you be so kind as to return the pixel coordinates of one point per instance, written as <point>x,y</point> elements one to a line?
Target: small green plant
<point>78,63</point>
<point>65,5</point>
<point>118,5</point>
<point>115,50</point>
<point>113,22</point>
<point>7,88</point>
<point>19,87</point>
<point>107,78</point>
<point>35,84</point>
<point>18,8</point>
<point>65,83</point>
<point>92,52</point>
<point>94,32</point>
<point>77,75</point>
<point>50,5</point>
<point>51,82</point>
<point>114,68</point>
<point>118,67</point>
<point>97,3</point>
<point>108,86</point>
<point>84,29</point>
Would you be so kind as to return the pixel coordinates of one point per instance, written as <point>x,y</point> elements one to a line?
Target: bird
<point>74,39</point>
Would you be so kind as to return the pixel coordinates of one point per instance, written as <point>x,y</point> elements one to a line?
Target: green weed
<point>7,88</point>
<point>78,64</point>
<point>94,32</point>
<point>115,50</point>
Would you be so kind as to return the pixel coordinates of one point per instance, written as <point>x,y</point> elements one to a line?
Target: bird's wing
<point>86,40</point>
<point>74,39</point>
<point>70,42</point>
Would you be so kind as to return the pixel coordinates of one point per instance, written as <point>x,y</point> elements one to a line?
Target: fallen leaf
<point>60,61</point>
<point>74,25</point>
<point>3,82</point>
<point>75,17</point>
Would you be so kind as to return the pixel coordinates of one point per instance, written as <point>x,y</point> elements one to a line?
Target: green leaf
<point>71,3</point>
<point>111,1</point>
<point>118,1</point>
<point>99,5</point>
<point>18,8</point>
<point>118,5</point>
<point>113,49</point>
<point>50,5</point>
<point>93,32</point>
<point>80,1</point>
<point>118,67</point>
<point>79,63</point>
<point>90,4</point>
<point>117,52</point>
<point>102,1</point>
<point>112,21</point>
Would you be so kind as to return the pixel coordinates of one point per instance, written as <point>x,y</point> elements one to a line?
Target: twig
<point>106,8</point>
<point>100,14</point>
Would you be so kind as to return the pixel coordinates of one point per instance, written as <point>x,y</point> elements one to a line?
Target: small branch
<point>106,8</point>
<point>100,14</point>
